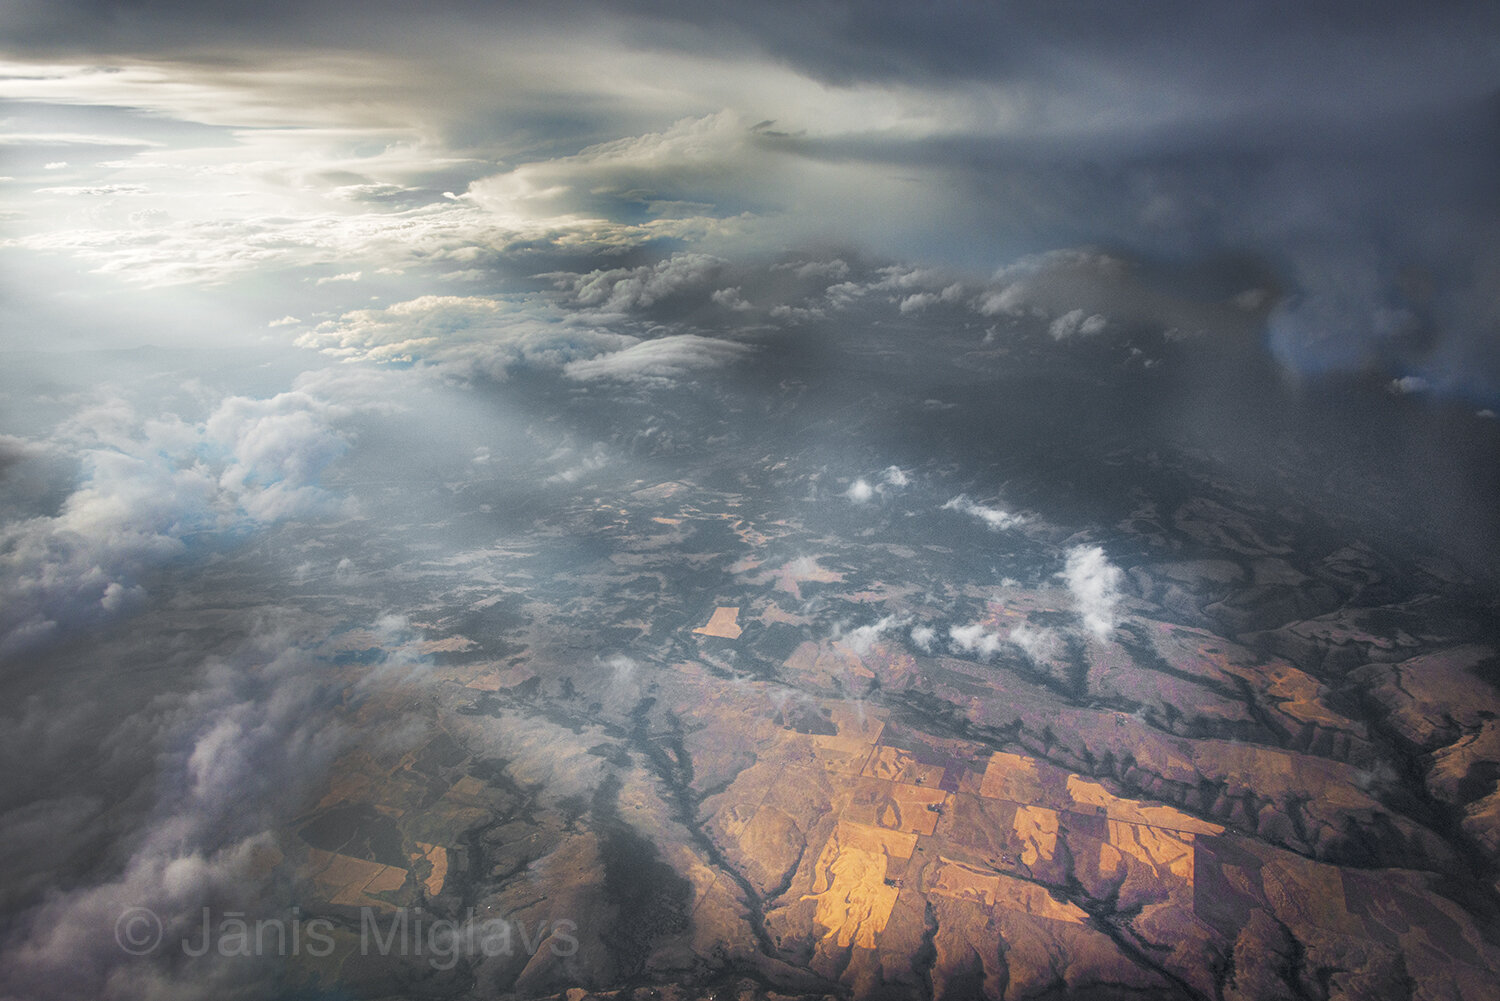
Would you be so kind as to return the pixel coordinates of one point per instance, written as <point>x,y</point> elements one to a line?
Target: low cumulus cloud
<point>976,639</point>
<point>1075,324</point>
<point>863,638</point>
<point>731,299</point>
<point>1038,643</point>
<point>1094,583</point>
<point>621,290</point>
<point>923,637</point>
<point>891,479</point>
<point>1408,385</point>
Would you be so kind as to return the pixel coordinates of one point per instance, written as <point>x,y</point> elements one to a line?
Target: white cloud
<point>1095,584</point>
<point>918,301</point>
<point>994,517</point>
<point>55,165</point>
<point>619,290</point>
<point>578,467</point>
<point>797,315</point>
<point>151,485</point>
<point>1409,384</point>
<point>95,190</point>
<point>922,637</point>
<point>1075,324</point>
<point>663,360</point>
<point>1037,642</point>
<point>491,336</point>
<point>862,639</point>
<point>862,491</point>
<point>730,298</point>
<point>70,139</point>
<point>621,667</point>
<point>975,639</point>
<point>1039,284</point>
<point>347,276</point>
<point>466,335</point>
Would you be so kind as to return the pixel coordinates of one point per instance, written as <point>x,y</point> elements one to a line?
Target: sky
<point>178,170</point>
<point>259,261</point>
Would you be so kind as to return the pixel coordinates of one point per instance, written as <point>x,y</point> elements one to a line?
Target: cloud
<point>797,315</point>
<point>1409,384</point>
<point>835,269</point>
<point>862,639</point>
<point>862,491</point>
<point>662,361</point>
<point>1039,284</point>
<point>938,136</point>
<point>922,637</point>
<point>1039,643</point>
<point>465,335</point>
<point>621,667</point>
<point>975,639</point>
<point>232,246</point>
<point>1075,324</point>
<point>221,761</point>
<point>95,190</point>
<point>730,298</point>
<point>149,486</point>
<point>591,192</point>
<point>578,467</point>
<point>620,290</point>
<point>1095,585</point>
<point>71,139</point>
<point>993,517</point>
<point>918,301</point>
<point>493,336</point>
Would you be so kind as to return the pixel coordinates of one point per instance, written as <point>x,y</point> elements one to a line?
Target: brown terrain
<point>1251,787</point>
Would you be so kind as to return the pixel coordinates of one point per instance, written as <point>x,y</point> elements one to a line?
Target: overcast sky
<point>306,158</point>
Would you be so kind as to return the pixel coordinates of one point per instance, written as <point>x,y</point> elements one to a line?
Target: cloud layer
<point>1346,158</point>
<point>154,488</point>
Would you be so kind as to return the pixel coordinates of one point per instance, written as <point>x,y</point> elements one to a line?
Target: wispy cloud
<point>996,519</point>
<point>664,360</point>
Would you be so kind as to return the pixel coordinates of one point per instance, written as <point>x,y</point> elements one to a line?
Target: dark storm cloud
<point>200,780</point>
<point>1347,148</point>
<point>1339,49</point>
